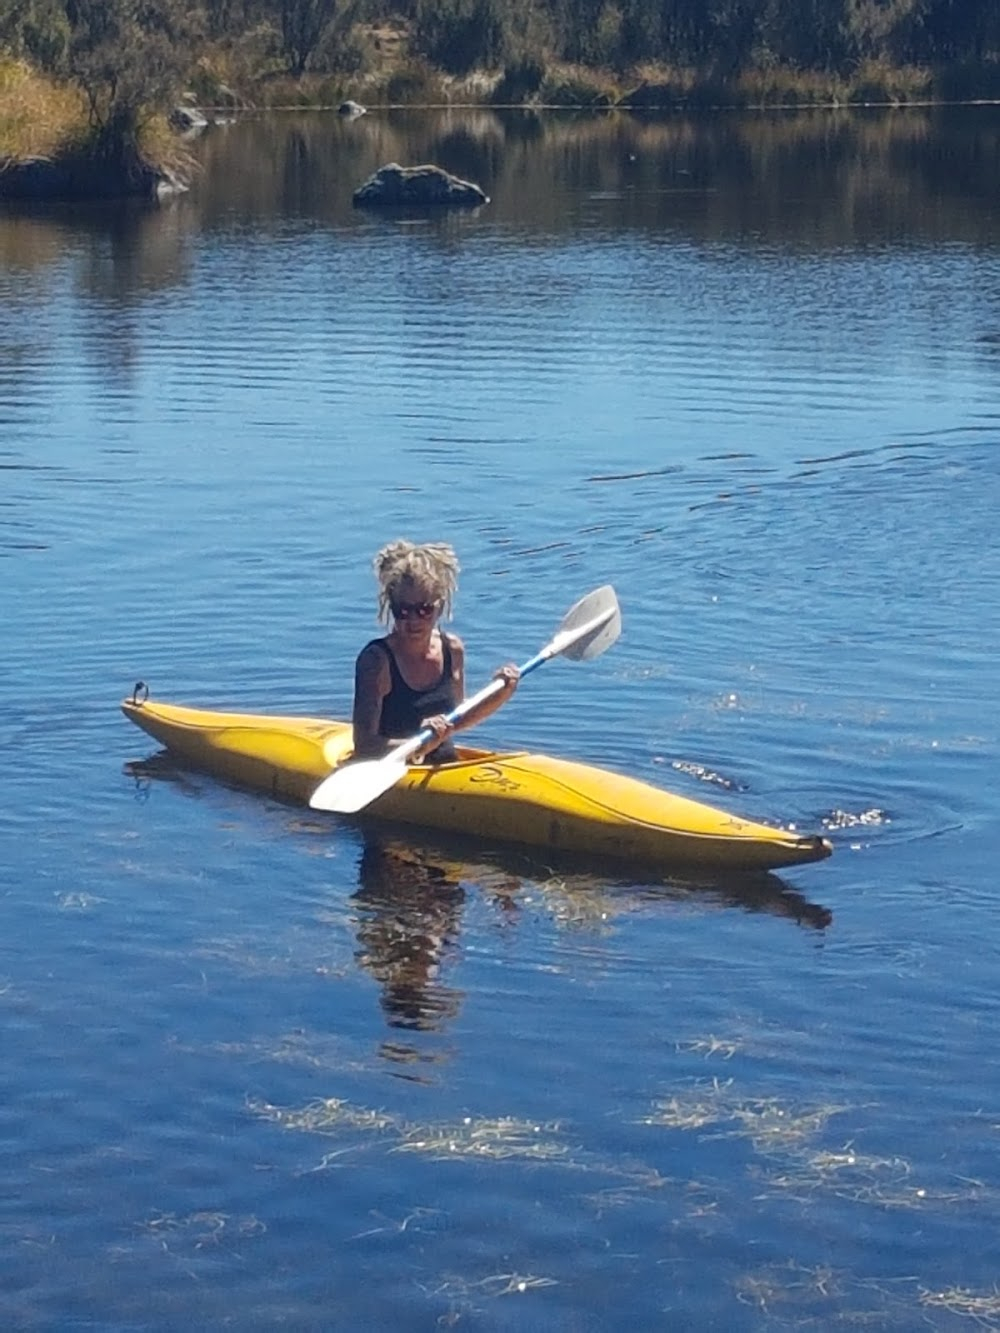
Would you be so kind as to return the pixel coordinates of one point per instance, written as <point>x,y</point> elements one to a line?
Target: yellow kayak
<point>531,799</point>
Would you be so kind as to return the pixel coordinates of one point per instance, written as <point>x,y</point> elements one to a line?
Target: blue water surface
<point>265,1068</point>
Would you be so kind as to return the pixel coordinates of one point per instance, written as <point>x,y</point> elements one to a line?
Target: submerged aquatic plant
<point>982,1307</point>
<point>504,1137</point>
<point>324,1115</point>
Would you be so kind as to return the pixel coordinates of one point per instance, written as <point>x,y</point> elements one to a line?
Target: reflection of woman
<point>415,675</point>
<point>408,920</point>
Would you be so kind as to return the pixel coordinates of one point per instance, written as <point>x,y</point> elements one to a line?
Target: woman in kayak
<point>415,675</point>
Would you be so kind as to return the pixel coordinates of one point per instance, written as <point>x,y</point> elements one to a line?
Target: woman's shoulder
<point>374,656</point>
<point>454,643</point>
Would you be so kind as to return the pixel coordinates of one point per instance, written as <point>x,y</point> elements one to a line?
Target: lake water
<point>264,1070</point>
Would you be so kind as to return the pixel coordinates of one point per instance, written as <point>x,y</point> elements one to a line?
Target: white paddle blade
<point>595,623</point>
<point>356,784</point>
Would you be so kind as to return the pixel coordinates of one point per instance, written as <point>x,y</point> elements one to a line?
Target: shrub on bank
<point>227,75</point>
<point>52,148</point>
<point>573,85</point>
<point>876,81</point>
<point>520,82</point>
<point>777,86</point>
<point>459,36</point>
<point>313,92</point>
<point>413,84</point>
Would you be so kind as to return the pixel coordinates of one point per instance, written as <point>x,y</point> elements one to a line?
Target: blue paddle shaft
<point>563,640</point>
<point>467,705</point>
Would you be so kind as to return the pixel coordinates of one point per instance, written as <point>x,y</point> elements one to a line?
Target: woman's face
<point>415,608</point>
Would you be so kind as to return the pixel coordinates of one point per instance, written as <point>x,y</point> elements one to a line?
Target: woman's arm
<point>508,674</point>
<point>372,682</point>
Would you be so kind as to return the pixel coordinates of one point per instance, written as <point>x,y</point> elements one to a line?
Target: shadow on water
<point>412,886</point>
<point>413,889</point>
<point>408,912</point>
<point>828,179</point>
<point>129,249</point>
<point>590,888</point>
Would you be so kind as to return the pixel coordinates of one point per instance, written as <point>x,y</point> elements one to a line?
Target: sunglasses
<point>422,610</point>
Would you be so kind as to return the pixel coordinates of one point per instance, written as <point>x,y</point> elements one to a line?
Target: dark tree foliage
<point>812,35</point>
<point>575,23</point>
<point>130,58</point>
<point>688,32</point>
<point>952,30</point>
<point>301,24</point>
<point>305,29</point>
<point>228,18</point>
<point>461,35</point>
<point>37,29</point>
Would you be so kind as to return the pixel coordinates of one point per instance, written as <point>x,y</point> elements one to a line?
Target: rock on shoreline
<point>50,179</point>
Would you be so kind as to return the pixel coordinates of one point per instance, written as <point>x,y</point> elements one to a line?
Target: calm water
<point>266,1069</point>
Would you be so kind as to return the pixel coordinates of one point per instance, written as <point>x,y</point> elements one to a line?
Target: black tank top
<point>404,708</point>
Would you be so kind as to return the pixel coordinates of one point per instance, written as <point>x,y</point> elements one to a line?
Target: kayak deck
<point>532,799</point>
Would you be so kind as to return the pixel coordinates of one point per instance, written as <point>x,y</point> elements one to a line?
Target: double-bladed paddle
<point>588,629</point>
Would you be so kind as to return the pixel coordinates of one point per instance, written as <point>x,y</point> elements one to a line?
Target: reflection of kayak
<point>575,890</point>
<point>525,798</point>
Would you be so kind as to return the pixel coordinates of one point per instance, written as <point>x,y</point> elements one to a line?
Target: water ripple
<point>758,398</point>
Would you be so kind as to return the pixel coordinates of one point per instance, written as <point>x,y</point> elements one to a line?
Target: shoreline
<point>64,169</point>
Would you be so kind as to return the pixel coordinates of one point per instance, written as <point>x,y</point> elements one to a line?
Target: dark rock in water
<point>42,178</point>
<point>35,178</point>
<point>351,109</point>
<point>393,186</point>
<point>187,119</point>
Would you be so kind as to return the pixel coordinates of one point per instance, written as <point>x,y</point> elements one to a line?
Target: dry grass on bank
<point>410,82</point>
<point>873,82</point>
<point>40,118</point>
<point>37,117</point>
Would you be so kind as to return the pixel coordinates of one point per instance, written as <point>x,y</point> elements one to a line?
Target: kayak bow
<point>532,799</point>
